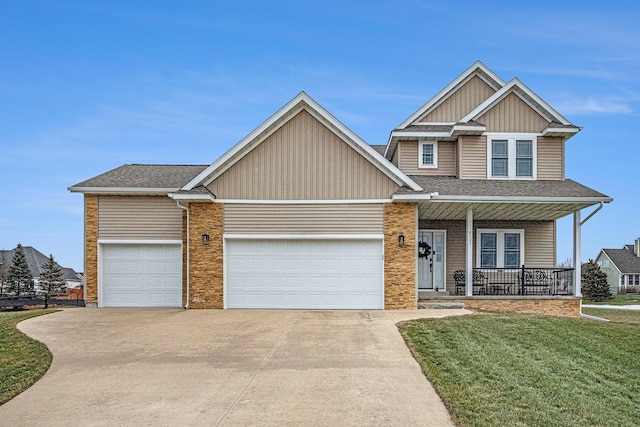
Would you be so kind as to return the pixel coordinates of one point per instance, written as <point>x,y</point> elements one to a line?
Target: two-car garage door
<point>141,275</point>
<point>305,274</point>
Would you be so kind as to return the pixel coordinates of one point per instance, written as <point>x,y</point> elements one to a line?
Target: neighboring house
<point>35,260</point>
<point>302,213</point>
<point>622,267</point>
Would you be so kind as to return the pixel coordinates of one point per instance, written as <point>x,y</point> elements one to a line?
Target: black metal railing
<point>517,281</point>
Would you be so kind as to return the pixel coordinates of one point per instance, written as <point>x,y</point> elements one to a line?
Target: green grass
<point>627,299</point>
<point>512,370</point>
<point>22,360</point>
<point>629,317</point>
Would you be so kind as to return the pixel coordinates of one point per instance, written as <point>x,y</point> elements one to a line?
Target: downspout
<point>588,316</point>
<point>186,306</point>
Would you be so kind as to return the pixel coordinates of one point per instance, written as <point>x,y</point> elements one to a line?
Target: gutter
<point>186,306</point>
<point>588,316</point>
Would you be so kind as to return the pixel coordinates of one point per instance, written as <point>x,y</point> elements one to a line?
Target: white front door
<point>431,260</point>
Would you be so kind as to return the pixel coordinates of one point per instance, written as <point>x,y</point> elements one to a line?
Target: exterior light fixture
<point>401,240</point>
<point>205,239</point>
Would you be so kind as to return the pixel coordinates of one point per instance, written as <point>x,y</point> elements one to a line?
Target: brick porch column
<point>400,262</point>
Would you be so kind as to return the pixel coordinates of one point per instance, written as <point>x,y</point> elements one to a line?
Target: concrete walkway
<point>612,307</point>
<point>232,367</point>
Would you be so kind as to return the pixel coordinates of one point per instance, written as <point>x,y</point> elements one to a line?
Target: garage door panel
<point>137,275</point>
<point>331,274</point>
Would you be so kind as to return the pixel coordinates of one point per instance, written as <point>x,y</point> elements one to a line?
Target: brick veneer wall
<point>566,307</point>
<point>400,262</point>
<point>205,261</point>
<point>91,249</point>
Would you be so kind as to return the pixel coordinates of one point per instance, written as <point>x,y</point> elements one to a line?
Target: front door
<point>431,262</point>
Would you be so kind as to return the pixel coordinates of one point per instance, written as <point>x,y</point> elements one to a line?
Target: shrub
<point>594,283</point>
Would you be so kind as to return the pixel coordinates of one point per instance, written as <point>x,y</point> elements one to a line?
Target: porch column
<point>469,252</point>
<point>577,263</point>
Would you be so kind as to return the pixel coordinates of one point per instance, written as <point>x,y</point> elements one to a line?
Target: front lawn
<point>516,370</point>
<point>22,360</point>
<point>626,299</point>
<point>630,317</point>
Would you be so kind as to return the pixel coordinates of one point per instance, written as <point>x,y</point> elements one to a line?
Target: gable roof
<point>301,102</point>
<point>624,259</point>
<point>140,179</point>
<point>35,260</point>
<point>476,69</point>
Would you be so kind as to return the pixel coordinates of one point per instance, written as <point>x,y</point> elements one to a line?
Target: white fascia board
<point>138,242</point>
<point>421,134</point>
<point>468,128</point>
<point>571,131</point>
<point>418,197</point>
<point>519,199</point>
<point>300,102</point>
<point>504,91</point>
<point>303,202</point>
<point>121,190</point>
<point>337,236</point>
<point>194,197</point>
<point>443,94</point>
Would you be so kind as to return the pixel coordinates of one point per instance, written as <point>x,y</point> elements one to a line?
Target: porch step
<point>441,305</point>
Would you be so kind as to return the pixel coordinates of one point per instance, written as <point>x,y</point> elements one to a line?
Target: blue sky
<point>88,86</point>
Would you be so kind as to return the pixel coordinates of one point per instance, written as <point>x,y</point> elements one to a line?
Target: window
<point>511,156</point>
<point>428,154</point>
<point>605,263</point>
<point>500,248</point>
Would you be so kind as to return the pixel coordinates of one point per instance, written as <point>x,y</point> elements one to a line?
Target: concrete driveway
<point>232,367</point>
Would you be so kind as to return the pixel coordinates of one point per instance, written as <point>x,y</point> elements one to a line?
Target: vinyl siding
<point>613,274</point>
<point>460,103</point>
<point>550,158</point>
<point>472,157</point>
<point>539,240</point>
<point>512,114</point>
<point>303,160</point>
<point>408,159</point>
<point>139,218</point>
<point>338,219</point>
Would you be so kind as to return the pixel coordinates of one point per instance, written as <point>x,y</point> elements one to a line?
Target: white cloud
<point>593,106</point>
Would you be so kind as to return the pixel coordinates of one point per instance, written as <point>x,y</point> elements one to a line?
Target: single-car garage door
<point>141,275</point>
<point>306,274</point>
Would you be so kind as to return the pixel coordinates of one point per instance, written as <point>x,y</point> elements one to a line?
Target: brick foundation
<point>205,261</point>
<point>565,306</point>
<point>91,249</point>
<point>400,262</point>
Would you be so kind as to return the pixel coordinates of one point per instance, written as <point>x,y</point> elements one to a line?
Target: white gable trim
<point>547,111</point>
<point>301,102</point>
<point>495,82</point>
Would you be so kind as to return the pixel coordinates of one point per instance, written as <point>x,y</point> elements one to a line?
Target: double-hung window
<point>500,248</point>
<point>511,156</point>
<point>428,153</point>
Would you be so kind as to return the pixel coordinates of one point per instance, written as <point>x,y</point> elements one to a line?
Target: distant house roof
<point>624,259</point>
<point>140,178</point>
<point>35,260</point>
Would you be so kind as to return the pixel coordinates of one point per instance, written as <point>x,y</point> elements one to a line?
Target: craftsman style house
<point>462,203</point>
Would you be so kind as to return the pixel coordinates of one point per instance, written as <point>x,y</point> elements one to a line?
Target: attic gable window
<point>511,156</point>
<point>428,154</point>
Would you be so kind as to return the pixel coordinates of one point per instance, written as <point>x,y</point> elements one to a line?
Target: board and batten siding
<point>303,160</point>
<point>139,218</point>
<point>462,102</point>
<point>409,158</point>
<point>338,219</point>
<point>512,114</point>
<point>550,158</point>
<point>472,157</point>
<point>539,241</point>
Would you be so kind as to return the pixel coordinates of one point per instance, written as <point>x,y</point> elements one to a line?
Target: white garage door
<point>307,274</point>
<point>141,276</point>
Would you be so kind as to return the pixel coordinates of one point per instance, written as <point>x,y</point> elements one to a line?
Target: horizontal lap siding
<point>139,218</point>
<point>462,102</point>
<point>550,158</point>
<point>303,219</point>
<point>472,157</point>
<point>539,240</point>
<point>303,160</point>
<point>409,158</point>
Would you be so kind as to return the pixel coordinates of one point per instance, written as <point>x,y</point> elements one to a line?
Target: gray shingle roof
<point>379,148</point>
<point>425,128</point>
<point>452,186</point>
<point>35,260</point>
<point>144,176</point>
<point>626,261</point>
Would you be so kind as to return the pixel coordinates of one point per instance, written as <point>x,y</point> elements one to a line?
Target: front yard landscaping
<point>517,370</point>
<point>22,360</point>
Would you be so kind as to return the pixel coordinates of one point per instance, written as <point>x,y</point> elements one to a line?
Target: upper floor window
<point>500,248</point>
<point>511,156</point>
<point>428,153</point>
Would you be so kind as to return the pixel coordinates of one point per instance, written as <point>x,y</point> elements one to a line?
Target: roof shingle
<point>144,176</point>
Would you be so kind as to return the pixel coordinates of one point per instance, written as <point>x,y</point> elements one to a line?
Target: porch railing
<point>518,281</point>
